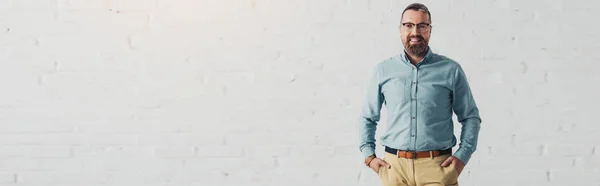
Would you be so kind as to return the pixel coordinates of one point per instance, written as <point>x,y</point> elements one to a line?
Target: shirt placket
<point>413,107</point>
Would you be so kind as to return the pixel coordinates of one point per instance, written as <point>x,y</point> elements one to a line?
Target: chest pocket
<point>435,94</point>
<point>396,90</point>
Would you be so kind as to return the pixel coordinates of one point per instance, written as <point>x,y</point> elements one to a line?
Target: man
<point>421,90</point>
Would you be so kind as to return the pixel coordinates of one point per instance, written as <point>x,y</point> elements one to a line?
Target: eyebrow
<point>415,23</point>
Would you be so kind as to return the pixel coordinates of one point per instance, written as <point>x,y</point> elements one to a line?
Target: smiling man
<point>421,91</point>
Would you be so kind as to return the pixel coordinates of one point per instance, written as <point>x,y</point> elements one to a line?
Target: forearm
<point>366,130</point>
<point>468,139</point>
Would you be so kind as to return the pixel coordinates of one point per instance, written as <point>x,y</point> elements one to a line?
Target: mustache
<point>417,37</point>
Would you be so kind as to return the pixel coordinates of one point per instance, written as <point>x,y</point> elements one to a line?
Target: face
<point>415,32</point>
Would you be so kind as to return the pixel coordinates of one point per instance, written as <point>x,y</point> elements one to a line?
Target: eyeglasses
<point>421,27</point>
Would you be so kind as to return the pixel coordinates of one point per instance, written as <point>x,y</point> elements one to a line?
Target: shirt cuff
<point>463,155</point>
<point>367,151</point>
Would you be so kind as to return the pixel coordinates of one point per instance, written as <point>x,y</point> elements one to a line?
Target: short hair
<point>417,7</point>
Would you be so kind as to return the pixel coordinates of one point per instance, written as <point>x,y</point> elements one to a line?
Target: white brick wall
<point>266,92</point>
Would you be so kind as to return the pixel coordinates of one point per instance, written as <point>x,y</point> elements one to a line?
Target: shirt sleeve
<point>370,114</point>
<point>467,114</point>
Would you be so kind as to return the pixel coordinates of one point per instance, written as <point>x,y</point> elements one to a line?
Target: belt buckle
<point>413,154</point>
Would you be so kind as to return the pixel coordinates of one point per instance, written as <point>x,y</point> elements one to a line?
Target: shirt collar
<point>425,59</point>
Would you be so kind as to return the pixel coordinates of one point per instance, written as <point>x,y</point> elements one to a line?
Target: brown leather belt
<point>415,155</point>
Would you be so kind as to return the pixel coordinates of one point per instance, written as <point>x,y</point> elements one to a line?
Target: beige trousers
<point>417,172</point>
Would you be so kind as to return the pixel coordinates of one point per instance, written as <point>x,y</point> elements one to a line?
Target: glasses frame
<point>420,27</point>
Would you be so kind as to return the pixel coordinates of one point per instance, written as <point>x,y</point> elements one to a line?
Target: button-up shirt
<point>420,101</point>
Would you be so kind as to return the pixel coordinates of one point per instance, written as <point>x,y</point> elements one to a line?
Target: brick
<point>128,5</point>
<point>301,176</point>
<point>574,176</point>
<point>42,177</point>
<point>89,154</point>
<point>349,150</point>
<point>129,163</point>
<point>268,151</point>
<point>588,162</point>
<point>42,139</point>
<point>221,164</point>
<point>35,127</point>
<point>191,177</point>
<point>111,139</point>
<point>213,151</point>
<point>249,177</point>
<point>115,23</point>
<point>534,176</point>
<point>35,5</point>
<point>541,162</point>
<point>569,150</point>
<point>35,151</point>
<point>183,11</point>
<point>332,175</point>
<point>6,4</point>
<point>312,151</point>
<point>266,138</point>
<point>532,150</point>
<point>180,139</point>
<point>127,151</point>
<point>81,5</point>
<point>118,126</point>
<point>21,34</point>
<point>342,139</point>
<point>151,177</point>
<point>151,126</point>
<point>7,177</point>
<point>255,164</point>
<point>175,152</point>
<point>39,164</point>
<point>66,177</point>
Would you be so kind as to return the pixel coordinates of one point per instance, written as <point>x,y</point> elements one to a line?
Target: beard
<point>419,49</point>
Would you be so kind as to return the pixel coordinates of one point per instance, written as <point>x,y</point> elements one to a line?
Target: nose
<point>414,31</point>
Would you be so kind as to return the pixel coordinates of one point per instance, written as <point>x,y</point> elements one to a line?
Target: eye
<point>408,25</point>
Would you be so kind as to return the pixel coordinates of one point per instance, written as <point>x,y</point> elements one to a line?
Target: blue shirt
<point>420,101</point>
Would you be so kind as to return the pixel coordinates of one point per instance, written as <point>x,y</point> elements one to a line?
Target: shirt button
<point>412,135</point>
<point>413,117</point>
